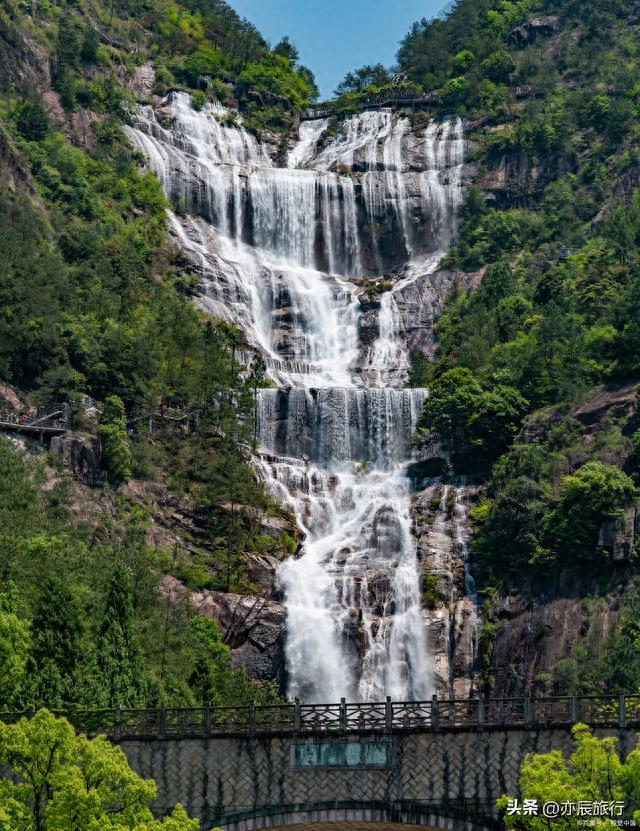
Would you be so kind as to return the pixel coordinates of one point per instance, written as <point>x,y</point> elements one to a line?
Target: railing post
<point>162,722</point>
<point>528,715</point>
<point>622,710</point>
<point>481,712</point>
<point>207,719</point>
<point>117,729</point>
<point>434,712</point>
<point>574,709</point>
<point>297,715</point>
<point>343,715</point>
<point>388,714</point>
<point>252,718</point>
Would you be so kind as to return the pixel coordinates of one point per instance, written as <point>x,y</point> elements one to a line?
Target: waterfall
<point>283,252</point>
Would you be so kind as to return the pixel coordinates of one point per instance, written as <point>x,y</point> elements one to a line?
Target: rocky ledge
<point>253,627</point>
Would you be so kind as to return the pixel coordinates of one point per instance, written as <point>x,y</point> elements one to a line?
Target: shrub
<point>115,443</point>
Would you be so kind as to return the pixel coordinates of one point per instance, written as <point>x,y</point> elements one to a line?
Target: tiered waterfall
<point>285,252</point>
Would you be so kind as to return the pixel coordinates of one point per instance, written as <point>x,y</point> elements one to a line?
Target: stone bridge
<point>435,764</point>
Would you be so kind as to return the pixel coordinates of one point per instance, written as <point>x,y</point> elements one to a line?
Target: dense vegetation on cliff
<point>557,312</point>
<point>93,301</point>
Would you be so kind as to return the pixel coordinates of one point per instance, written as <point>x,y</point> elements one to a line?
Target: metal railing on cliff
<point>410,98</point>
<point>388,716</point>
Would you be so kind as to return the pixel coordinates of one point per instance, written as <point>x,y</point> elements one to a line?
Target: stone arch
<point>362,816</point>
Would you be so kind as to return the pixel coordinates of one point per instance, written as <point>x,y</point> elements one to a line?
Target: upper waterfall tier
<point>280,249</point>
<point>377,194</point>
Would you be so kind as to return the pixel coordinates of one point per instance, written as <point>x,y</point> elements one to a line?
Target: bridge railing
<point>346,717</point>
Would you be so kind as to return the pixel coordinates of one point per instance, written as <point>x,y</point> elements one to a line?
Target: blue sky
<point>334,36</point>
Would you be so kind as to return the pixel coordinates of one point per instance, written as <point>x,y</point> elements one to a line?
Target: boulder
<point>80,454</point>
<point>538,27</point>
<point>252,627</point>
<point>618,536</point>
<point>10,402</point>
<point>261,572</point>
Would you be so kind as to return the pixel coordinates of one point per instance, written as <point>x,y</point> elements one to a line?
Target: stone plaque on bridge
<point>341,754</point>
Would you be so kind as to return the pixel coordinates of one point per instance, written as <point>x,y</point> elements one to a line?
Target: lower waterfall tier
<point>339,427</point>
<point>355,626</point>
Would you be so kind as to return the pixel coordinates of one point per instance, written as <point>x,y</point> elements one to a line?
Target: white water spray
<point>278,250</point>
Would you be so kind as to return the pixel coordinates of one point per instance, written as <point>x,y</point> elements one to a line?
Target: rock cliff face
<point>530,633</point>
<point>449,596</point>
<point>81,455</point>
<point>252,627</point>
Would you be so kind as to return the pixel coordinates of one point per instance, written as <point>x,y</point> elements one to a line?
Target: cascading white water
<point>277,249</point>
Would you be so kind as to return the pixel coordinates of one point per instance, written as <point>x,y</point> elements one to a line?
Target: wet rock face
<point>252,627</point>
<point>81,455</point>
<point>421,301</point>
<point>451,608</point>
<point>532,634</point>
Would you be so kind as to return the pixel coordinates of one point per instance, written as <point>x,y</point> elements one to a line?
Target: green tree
<point>15,642</point>
<point>375,75</point>
<point>287,50</point>
<point>594,772</point>
<point>595,493</point>
<point>56,652</point>
<point>65,782</point>
<point>119,657</point>
<point>274,74</point>
<point>32,120</point>
<point>214,678</point>
<point>474,426</point>
<point>115,442</point>
<point>498,67</point>
<point>620,664</point>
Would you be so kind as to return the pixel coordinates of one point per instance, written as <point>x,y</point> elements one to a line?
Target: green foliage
<point>363,78</point>
<point>474,426</point>
<point>275,75</point>
<point>56,652</point>
<point>119,657</point>
<point>286,49</point>
<point>32,120</point>
<point>85,623</point>
<point>65,782</point>
<point>594,772</point>
<point>421,373</point>
<point>15,644</point>
<point>115,443</point>
<point>430,593</point>
<point>498,67</point>
<point>595,493</point>
<point>619,667</point>
<point>536,516</point>
<point>213,678</point>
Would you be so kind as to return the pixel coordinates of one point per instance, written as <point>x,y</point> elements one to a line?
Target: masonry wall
<point>218,776</point>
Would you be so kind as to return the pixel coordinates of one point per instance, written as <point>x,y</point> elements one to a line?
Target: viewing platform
<point>46,423</point>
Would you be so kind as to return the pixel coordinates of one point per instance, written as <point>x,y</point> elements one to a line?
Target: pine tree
<point>56,652</point>
<point>120,660</point>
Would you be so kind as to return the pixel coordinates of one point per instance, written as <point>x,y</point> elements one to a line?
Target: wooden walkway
<point>53,421</point>
<point>425,100</point>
